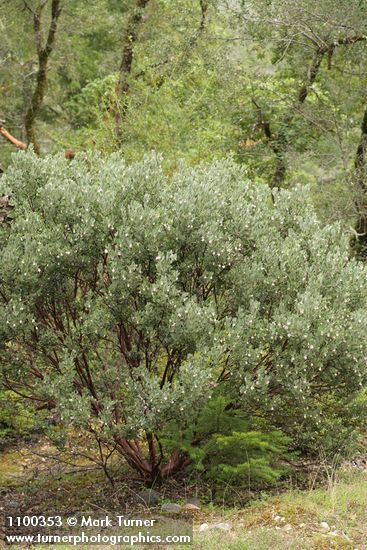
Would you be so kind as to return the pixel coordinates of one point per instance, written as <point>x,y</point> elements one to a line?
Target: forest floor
<point>331,515</point>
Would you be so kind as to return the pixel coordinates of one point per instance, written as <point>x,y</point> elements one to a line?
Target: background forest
<point>279,85</point>
<point>191,205</point>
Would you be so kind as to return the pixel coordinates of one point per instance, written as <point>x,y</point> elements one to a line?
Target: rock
<point>194,501</point>
<point>302,525</point>
<point>191,507</point>
<point>171,507</point>
<point>203,527</point>
<point>150,497</point>
<point>13,504</point>
<point>287,527</point>
<point>223,526</point>
<point>324,526</point>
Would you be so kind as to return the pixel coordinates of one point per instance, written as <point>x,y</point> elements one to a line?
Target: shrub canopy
<point>129,299</point>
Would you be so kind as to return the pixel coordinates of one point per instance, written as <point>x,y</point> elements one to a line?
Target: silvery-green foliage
<point>127,296</point>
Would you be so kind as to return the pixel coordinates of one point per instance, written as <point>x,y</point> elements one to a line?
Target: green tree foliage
<point>279,84</point>
<point>129,299</point>
<point>228,446</point>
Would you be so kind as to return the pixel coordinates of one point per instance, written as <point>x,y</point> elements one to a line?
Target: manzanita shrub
<point>129,299</point>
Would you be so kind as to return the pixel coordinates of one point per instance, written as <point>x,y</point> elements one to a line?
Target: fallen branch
<point>68,154</point>
<point>14,141</point>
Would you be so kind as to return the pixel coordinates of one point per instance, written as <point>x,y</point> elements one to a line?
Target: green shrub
<point>128,299</point>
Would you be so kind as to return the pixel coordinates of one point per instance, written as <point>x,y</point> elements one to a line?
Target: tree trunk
<point>360,242</point>
<point>43,53</point>
<point>279,140</point>
<point>130,38</point>
<point>151,470</point>
<point>123,85</point>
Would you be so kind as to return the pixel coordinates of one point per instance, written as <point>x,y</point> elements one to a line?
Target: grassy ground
<point>291,520</point>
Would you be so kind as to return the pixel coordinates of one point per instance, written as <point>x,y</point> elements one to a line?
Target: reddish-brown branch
<point>14,141</point>
<point>133,457</point>
<point>69,154</point>
<point>177,462</point>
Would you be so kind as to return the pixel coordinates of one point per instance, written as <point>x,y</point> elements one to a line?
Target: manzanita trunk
<point>152,468</point>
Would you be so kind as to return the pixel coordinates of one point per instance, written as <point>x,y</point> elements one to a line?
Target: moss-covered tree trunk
<point>123,84</point>
<point>361,188</point>
<point>43,53</point>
